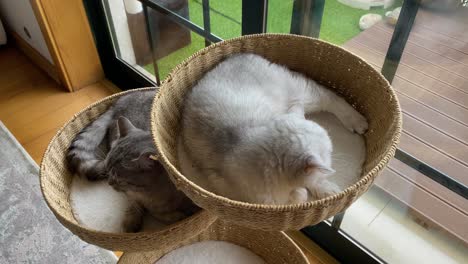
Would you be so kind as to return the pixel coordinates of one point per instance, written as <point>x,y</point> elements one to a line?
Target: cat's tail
<point>82,156</point>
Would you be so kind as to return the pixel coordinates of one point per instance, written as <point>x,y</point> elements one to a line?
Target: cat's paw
<point>355,122</point>
<point>324,189</point>
<point>97,173</point>
<point>298,195</point>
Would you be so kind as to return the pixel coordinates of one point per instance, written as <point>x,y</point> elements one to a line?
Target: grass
<point>339,24</point>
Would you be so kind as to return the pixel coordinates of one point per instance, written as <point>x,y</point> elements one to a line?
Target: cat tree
<point>343,72</point>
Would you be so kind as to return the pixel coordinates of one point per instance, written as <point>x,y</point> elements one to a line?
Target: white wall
<point>18,14</point>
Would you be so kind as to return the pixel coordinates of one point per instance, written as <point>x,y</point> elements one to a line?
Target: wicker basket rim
<point>43,169</point>
<point>289,207</point>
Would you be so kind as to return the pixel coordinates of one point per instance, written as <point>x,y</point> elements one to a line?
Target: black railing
<point>153,4</point>
<point>206,19</point>
<point>254,16</point>
<point>153,37</point>
<point>307,17</point>
<point>399,38</point>
<point>437,176</point>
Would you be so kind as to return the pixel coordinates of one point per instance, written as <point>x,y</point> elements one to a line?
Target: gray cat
<point>119,147</point>
<point>88,150</point>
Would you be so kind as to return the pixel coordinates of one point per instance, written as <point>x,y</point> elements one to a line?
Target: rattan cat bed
<point>345,73</point>
<point>55,185</point>
<point>272,247</point>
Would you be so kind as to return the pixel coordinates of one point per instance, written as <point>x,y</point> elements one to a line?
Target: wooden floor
<point>33,106</point>
<point>432,86</point>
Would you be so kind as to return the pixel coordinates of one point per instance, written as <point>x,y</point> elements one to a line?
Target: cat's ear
<point>125,126</point>
<point>312,164</point>
<point>114,133</point>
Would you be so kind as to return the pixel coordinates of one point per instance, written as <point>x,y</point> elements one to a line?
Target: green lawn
<point>339,24</point>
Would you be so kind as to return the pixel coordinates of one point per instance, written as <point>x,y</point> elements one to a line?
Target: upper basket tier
<point>343,72</point>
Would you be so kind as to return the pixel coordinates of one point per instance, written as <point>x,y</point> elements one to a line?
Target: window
<point>417,209</point>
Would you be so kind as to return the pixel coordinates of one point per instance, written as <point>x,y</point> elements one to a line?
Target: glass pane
<point>408,217</point>
<point>189,9</point>
<point>172,42</point>
<point>279,16</point>
<point>167,61</point>
<point>225,22</point>
<point>226,18</point>
<point>398,233</point>
<point>341,22</point>
<point>180,7</point>
<point>126,22</point>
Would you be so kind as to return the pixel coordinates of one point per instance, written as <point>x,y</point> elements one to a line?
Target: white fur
<point>245,136</point>
<point>349,150</point>
<point>98,206</point>
<point>208,252</point>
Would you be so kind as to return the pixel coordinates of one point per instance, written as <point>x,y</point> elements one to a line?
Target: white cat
<point>244,134</point>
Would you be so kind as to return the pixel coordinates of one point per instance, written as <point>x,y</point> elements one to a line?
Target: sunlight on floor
<point>386,227</point>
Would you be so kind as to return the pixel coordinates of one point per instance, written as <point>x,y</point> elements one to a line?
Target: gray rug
<point>29,232</point>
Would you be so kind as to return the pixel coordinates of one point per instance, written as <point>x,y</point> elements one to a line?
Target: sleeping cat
<point>133,170</point>
<point>122,138</point>
<point>87,152</point>
<point>244,134</point>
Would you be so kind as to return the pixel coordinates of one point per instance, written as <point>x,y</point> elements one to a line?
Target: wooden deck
<point>432,86</point>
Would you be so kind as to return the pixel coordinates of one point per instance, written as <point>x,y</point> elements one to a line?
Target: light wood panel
<point>33,106</point>
<point>35,56</point>
<point>66,30</point>
<point>314,253</point>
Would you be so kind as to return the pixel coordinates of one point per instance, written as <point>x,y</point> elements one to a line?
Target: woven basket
<point>55,185</point>
<point>273,247</point>
<point>343,72</point>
